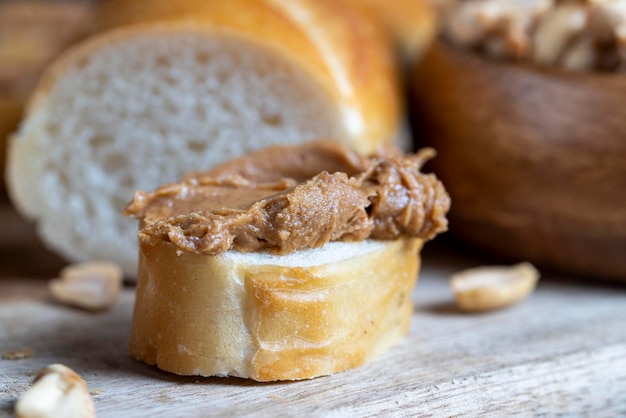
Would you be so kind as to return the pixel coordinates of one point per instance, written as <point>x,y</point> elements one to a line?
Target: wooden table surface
<point>563,351</point>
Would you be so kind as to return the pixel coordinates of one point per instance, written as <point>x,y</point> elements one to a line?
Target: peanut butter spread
<point>286,198</point>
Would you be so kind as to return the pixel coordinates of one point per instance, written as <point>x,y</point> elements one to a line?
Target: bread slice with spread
<point>271,268</point>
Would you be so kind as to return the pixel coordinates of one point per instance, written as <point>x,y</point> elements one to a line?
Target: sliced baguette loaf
<point>168,87</point>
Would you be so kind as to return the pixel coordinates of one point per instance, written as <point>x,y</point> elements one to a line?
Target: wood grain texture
<point>534,159</point>
<point>563,351</point>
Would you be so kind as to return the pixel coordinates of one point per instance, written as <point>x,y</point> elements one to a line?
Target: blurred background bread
<point>412,23</point>
<point>165,87</point>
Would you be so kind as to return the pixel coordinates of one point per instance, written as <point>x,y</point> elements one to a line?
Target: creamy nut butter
<point>286,198</point>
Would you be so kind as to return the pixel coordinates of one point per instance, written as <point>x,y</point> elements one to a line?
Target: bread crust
<point>238,315</point>
<point>412,23</point>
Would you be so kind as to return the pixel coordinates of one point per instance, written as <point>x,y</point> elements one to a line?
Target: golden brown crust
<point>225,316</point>
<point>413,23</point>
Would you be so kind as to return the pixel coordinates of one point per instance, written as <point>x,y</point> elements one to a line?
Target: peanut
<point>493,287</point>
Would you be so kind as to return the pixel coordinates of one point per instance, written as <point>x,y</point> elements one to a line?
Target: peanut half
<point>493,287</point>
<point>92,285</point>
<point>57,391</point>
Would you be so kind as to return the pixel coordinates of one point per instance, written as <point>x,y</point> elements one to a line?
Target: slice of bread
<point>282,271</point>
<point>169,87</point>
<point>310,313</point>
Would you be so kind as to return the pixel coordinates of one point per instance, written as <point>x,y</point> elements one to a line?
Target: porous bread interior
<point>143,111</point>
<point>331,252</point>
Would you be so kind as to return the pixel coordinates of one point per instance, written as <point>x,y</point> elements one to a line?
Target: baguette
<point>168,87</point>
<point>259,268</point>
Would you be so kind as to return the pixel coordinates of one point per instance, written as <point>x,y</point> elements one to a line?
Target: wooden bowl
<point>534,159</point>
